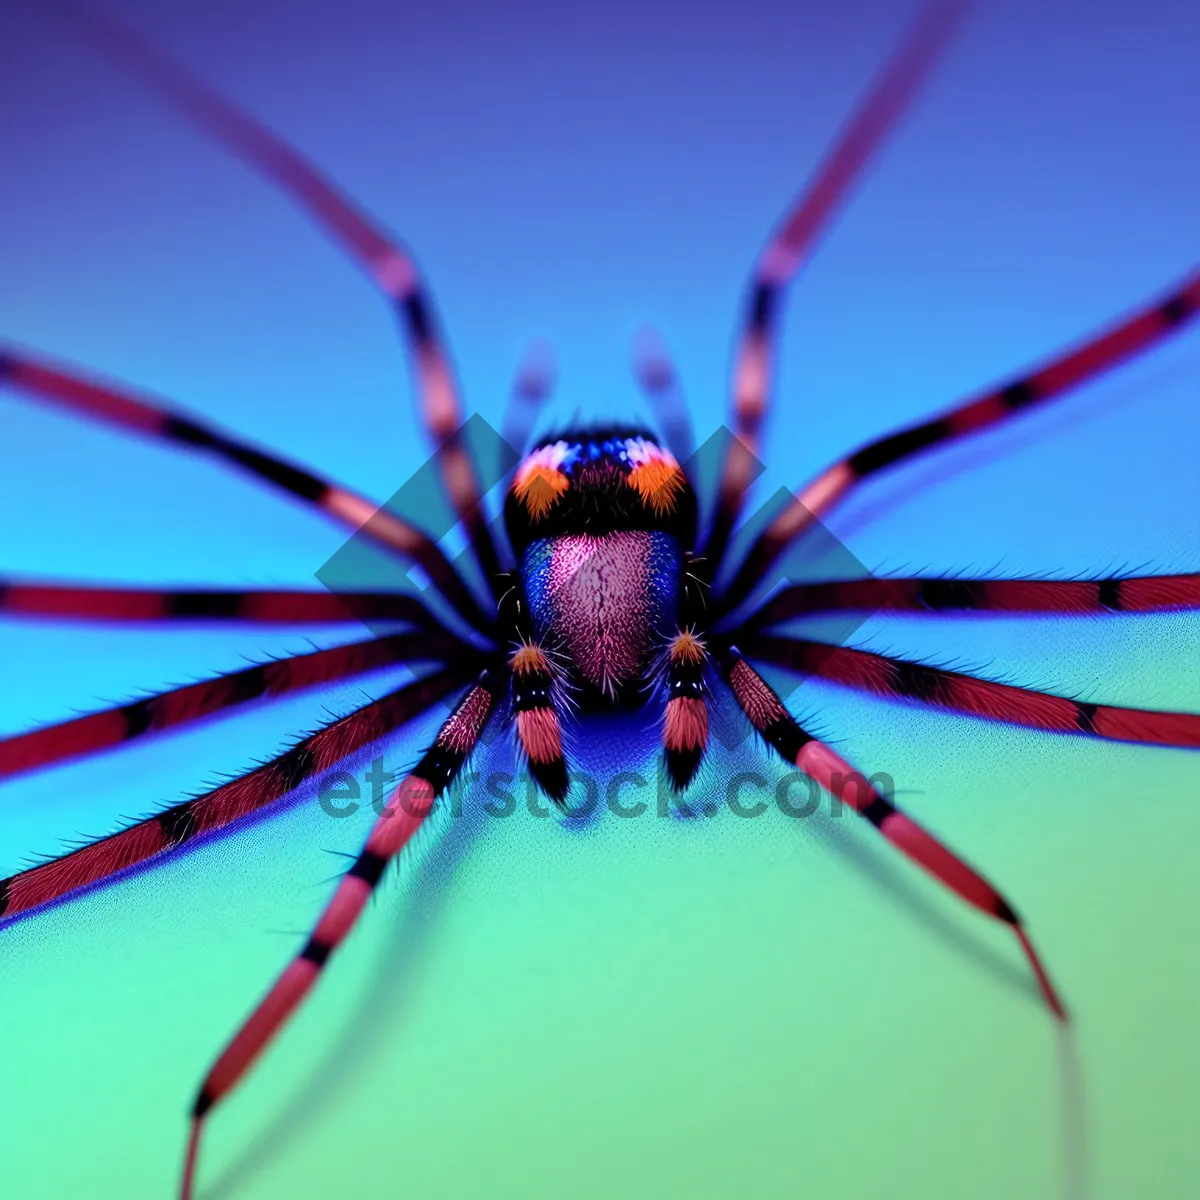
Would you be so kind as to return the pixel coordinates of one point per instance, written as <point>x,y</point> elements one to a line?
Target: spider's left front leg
<point>822,763</point>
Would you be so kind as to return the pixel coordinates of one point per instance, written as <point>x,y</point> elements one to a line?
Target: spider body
<point>602,602</point>
<point>602,520</point>
<point>609,567</point>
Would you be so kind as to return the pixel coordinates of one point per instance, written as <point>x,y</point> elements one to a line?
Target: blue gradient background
<point>642,1007</point>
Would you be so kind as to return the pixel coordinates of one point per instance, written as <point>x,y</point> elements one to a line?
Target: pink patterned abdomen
<point>602,602</point>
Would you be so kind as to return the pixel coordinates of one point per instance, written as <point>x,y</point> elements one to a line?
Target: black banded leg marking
<point>898,678</point>
<point>1057,378</point>
<point>1132,593</point>
<point>822,763</point>
<point>685,719</point>
<point>407,809</point>
<point>891,94</point>
<point>538,730</point>
<point>105,859</point>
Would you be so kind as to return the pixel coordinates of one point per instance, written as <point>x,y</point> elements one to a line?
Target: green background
<point>652,1006</point>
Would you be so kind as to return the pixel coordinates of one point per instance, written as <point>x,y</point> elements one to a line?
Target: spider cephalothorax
<point>606,576</point>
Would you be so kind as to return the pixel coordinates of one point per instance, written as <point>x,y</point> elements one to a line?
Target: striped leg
<point>659,380</point>
<point>115,405</point>
<point>901,679</point>
<point>538,730</point>
<point>1136,594</point>
<point>889,97</point>
<point>685,718</point>
<point>100,861</point>
<point>185,705</point>
<point>534,682</point>
<point>409,806</point>
<point>1134,335</point>
<point>820,762</point>
<point>385,259</point>
<point>274,606</point>
<point>532,388</point>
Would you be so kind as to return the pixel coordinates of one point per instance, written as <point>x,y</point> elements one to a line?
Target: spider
<point>611,577</point>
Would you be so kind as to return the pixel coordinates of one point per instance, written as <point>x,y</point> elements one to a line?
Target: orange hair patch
<point>540,481</point>
<point>687,647</point>
<point>529,660</point>
<point>655,476</point>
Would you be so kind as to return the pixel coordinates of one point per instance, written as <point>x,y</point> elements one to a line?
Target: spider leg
<point>182,706</point>
<point>780,730</point>
<point>890,96</point>
<point>1136,594</point>
<point>384,258</point>
<point>532,388</point>
<point>410,804</point>
<point>901,679</point>
<point>115,405</point>
<point>102,860</point>
<point>686,712</point>
<point>534,682</point>
<point>685,718</point>
<point>538,730</point>
<point>660,381</point>
<point>274,606</point>
<point>1134,335</point>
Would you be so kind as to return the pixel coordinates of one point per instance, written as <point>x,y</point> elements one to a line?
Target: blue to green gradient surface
<point>708,1008</point>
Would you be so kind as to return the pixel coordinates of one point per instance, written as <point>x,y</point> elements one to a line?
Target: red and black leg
<point>820,762</point>
<point>536,693</point>
<point>55,600</point>
<point>1134,335</point>
<point>118,405</point>
<point>1114,594</point>
<point>101,861</point>
<point>685,716</point>
<point>184,706</point>
<point>687,663</point>
<point>407,809</point>
<point>798,233</point>
<point>539,732</point>
<point>901,679</point>
<point>389,263</point>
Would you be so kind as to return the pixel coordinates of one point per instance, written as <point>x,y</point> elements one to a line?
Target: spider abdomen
<point>603,603</point>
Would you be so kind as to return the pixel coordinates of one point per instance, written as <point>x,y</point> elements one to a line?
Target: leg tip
<point>682,766</point>
<point>1048,990</point>
<point>552,778</point>
<point>189,1162</point>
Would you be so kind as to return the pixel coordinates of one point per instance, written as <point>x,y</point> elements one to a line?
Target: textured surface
<point>604,602</point>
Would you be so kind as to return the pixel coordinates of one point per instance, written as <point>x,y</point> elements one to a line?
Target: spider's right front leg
<point>685,718</point>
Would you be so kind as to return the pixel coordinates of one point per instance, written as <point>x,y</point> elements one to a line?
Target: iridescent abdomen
<point>605,603</point>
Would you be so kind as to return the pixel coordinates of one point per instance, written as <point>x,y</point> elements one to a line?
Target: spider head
<point>597,481</point>
<point>600,519</point>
